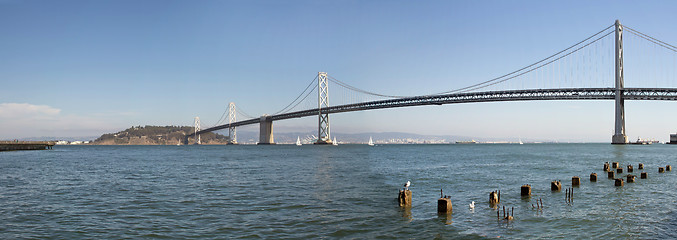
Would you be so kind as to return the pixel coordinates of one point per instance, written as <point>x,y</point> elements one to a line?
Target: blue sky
<point>84,68</point>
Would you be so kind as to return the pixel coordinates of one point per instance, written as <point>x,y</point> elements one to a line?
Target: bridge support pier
<point>266,131</point>
<point>619,133</point>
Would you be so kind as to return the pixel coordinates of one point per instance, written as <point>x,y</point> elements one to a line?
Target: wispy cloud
<point>14,110</point>
<point>18,120</point>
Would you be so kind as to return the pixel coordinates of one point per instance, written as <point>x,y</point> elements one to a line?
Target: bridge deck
<point>666,94</point>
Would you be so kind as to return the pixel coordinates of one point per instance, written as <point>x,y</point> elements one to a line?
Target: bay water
<point>345,191</point>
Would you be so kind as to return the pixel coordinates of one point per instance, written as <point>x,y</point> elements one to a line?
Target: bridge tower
<point>232,133</point>
<point>197,129</point>
<point>323,133</point>
<point>619,133</point>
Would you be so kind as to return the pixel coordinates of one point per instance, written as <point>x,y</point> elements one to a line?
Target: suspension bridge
<point>582,71</point>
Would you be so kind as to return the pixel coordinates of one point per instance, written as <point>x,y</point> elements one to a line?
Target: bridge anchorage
<point>573,67</point>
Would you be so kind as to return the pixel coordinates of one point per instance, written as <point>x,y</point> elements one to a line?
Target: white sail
<point>298,141</point>
<point>334,142</point>
<point>371,142</point>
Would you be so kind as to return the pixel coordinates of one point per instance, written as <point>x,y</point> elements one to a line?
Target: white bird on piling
<point>472,205</point>
<point>406,185</point>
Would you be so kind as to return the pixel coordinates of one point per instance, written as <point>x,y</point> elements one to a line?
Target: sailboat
<point>521,142</point>
<point>298,141</point>
<point>335,143</point>
<point>371,142</point>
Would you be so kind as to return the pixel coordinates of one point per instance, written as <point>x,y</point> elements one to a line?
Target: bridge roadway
<point>668,94</point>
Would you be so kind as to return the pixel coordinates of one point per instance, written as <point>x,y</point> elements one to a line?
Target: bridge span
<point>479,92</point>
<point>664,94</point>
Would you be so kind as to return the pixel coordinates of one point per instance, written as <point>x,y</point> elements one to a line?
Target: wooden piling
<point>575,181</point>
<point>611,174</point>
<point>629,168</point>
<point>619,170</point>
<point>593,177</point>
<point>640,166</point>
<point>661,169</point>
<point>556,186</point>
<point>630,178</point>
<point>618,182</point>
<point>615,165</point>
<point>526,190</point>
<point>643,175</point>
<point>444,205</point>
<point>404,198</point>
<point>606,166</point>
<point>668,168</point>
<point>493,198</point>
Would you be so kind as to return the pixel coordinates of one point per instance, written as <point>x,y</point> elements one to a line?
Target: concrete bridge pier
<point>619,136</point>
<point>266,130</point>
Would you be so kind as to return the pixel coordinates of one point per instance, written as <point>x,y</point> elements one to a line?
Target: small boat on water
<point>298,141</point>
<point>520,142</point>
<point>641,141</point>
<point>371,142</point>
<point>335,143</point>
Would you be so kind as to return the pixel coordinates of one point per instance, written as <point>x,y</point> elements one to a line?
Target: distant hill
<point>156,135</point>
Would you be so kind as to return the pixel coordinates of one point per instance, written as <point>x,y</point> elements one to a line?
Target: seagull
<point>472,205</point>
<point>406,185</point>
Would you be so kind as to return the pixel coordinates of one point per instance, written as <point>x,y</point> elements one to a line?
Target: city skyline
<point>79,68</point>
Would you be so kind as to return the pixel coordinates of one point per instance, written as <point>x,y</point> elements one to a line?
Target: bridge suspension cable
<point>521,70</point>
<point>243,113</point>
<point>296,100</point>
<point>497,81</point>
<point>651,39</point>
<point>517,73</point>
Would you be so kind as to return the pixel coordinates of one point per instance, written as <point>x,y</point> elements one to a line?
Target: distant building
<point>673,138</point>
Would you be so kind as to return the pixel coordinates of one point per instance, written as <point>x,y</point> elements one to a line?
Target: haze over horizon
<point>85,68</point>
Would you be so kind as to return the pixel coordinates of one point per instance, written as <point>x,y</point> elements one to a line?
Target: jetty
<point>25,145</point>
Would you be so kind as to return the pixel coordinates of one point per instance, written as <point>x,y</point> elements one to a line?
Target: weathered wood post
<point>611,174</point>
<point>575,181</point>
<point>526,190</point>
<point>556,186</point>
<point>404,198</point>
<point>593,177</point>
<point>618,182</point>
<point>640,166</point>
<point>630,178</point>
<point>615,165</point>
<point>493,198</point>
<point>668,168</point>
<point>619,170</point>
<point>629,168</point>
<point>444,205</point>
<point>643,175</point>
<point>661,169</point>
<point>606,166</point>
